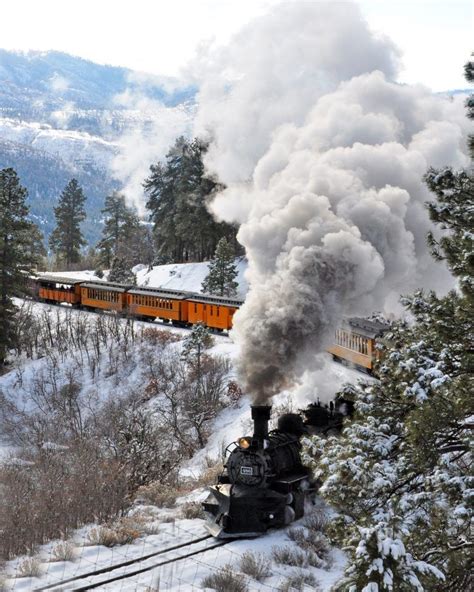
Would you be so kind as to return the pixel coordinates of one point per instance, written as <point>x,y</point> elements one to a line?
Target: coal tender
<point>264,484</point>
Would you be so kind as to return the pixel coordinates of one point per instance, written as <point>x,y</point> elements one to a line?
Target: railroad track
<point>92,579</point>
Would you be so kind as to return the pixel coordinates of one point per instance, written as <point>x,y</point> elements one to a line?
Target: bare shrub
<point>315,544</point>
<point>30,567</point>
<point>234,393</point>
<point>225,580</point>
<point>210,474</point>
<point>150,528</point>
<point>158,494</point>
<point>289,556</point>
<point>187,396</point>
<point>144,524</point>
<point>49,492</point>
<point>255,565</point>
<point>192,510</point>
<point>158,337</point>
<point>145,449</point>
<point>316,520</point>
<point>63,551</point>
<point>298,581</point>
<point>113,535</point>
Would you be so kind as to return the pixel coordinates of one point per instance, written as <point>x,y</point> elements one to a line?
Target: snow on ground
<point>231,423</point>
<point>181,576</point>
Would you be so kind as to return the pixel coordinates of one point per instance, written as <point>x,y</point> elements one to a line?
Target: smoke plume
<point>151,130</point>
<point>323,154</point>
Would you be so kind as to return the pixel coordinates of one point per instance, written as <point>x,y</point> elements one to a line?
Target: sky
<point>161,36</point>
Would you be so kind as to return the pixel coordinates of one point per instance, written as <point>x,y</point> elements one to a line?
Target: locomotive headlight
<point>243,442</point>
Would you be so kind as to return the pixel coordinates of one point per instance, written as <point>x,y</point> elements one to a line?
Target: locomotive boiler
<point>264,483</point>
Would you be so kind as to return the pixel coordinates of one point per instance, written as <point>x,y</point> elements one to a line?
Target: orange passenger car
<point>104,295</point>
<point>58,289</point>
<point>158,303</point>
<point>354,342</point>
<point>215,312</point>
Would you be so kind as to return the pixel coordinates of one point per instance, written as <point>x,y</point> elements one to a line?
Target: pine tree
<point>66,240</point>
<point>178,190</point>
<point>121,272</point>
<point>198,340</point>
<point>401,475</point>
<point>222,271</point>
<point>115,214</point>
<point>469,74</point>
<point>19,251</point>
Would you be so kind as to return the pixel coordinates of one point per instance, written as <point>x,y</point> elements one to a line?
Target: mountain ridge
<point>62,116</point>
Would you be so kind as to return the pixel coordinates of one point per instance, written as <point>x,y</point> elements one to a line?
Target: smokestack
<point>261,416</point>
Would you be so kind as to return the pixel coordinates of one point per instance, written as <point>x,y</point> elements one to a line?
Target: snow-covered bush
<point>256,565</point>
<point>192,510</point>
<point>112,536</point>
<point>159,494</point>
<point>289,555</point>
<point>63,551</point>
<point>316,545</point>
<point>30,567</point>
<point>300,581</point>
<point>225,580</point>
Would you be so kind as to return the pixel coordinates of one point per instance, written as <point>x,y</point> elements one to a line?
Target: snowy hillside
<point>174,276</point>
<point>184,276</point>
<point>64,117</point>
<point>73,147</point>
<point>110,375</point>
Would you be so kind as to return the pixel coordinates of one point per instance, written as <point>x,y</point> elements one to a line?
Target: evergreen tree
<point>469,74</point>
<point>178,190</point>
<point>193,352</point>
<point>20,240</point>
<point>66,240</point>
<point>121,272</point>
<point>123,235</point>
<point>198,340</point>
<point>115,214</point>
<point>401,475</point>
<point>222,271</point>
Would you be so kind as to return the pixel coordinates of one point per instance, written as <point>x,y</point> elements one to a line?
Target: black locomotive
<point>328,419</point>
<point>264,484</point>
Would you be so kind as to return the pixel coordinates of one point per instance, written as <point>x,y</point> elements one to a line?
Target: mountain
<point>62,116</point>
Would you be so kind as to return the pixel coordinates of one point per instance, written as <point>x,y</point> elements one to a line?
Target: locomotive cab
<point>264,484</point>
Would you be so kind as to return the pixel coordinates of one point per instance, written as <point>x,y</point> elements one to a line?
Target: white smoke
<point>150,132</point>
<point>323,155</point>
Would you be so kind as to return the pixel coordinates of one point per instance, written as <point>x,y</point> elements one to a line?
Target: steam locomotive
<point>264,484</point>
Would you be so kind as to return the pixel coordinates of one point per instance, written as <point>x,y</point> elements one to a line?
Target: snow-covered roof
<point>109,287</point>
<point>160,293</point>
<point>366,327</point>
<point>57,279</point>
<point>219,300</point>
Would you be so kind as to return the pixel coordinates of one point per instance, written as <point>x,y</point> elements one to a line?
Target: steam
<point>323,155</point>
<point>151,130</point>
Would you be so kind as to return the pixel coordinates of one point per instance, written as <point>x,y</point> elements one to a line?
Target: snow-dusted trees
<point>401,475</point>
<point>177,192</point>
<point>469,74</point>
<point>20,247</point>
<point>66,240</point>
<point>124,238</point>
<point>197,341</point>
<point>222,271</point>
<point>121,272</point>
